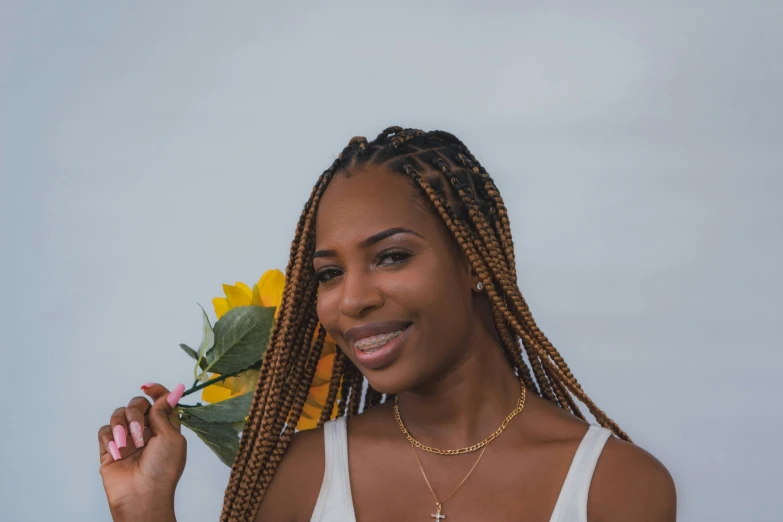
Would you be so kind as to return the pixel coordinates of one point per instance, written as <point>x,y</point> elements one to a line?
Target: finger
<point>106,442</point>
<point>119,428</point>
<point>160,412</point>
<point>154,390</point>
<point>104,436</point>
<point>134,415</point>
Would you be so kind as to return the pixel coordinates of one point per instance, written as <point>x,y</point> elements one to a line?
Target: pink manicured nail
<point>119,435</point>
<point>115,453</point>
<point>176,394</point>
<point>136,434</point>
<point>147,385</point>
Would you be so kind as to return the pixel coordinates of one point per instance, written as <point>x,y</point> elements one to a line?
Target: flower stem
<point>198,387</point>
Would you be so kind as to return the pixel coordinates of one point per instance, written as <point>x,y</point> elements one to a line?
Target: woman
<point>404,255</point>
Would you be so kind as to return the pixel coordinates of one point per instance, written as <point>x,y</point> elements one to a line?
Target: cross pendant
<point>437,516</point>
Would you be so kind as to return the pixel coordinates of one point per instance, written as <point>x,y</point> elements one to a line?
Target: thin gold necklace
<point>438,515</point>
<point>468,449</point>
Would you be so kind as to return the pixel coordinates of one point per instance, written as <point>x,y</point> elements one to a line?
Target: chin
<point>395,379</point>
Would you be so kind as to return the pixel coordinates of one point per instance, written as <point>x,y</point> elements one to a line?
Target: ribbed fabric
<point>335,503</point>
<point>571,505</point>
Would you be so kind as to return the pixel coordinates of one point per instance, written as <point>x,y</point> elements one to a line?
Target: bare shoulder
<point>293,492</point>
<point>630,484</point>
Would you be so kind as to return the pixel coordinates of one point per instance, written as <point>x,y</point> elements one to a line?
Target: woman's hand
<point>143,456</point>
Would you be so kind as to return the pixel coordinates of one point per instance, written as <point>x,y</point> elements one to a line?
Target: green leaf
<point>207,342</point>
<point>230,410</point>
<point>190,351</point>
<point>221,438</point>
<point>241,336</point>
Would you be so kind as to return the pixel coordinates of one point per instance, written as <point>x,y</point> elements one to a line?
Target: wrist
<point>136,510</point>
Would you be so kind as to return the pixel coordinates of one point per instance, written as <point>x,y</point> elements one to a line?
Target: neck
<point>466,404</point>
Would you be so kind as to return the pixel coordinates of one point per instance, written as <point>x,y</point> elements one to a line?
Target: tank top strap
<point>572,503</point>
<point>335,502</point>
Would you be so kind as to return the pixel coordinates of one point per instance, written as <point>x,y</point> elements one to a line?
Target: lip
<point>368,330</point>
<point>386,354</point>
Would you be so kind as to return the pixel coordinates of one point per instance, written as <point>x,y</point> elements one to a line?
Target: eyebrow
<point>373,239</point>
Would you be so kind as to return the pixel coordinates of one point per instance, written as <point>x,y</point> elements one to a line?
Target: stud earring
<point>479,286</point>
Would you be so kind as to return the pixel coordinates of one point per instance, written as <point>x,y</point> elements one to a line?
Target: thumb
<point>160,412</point>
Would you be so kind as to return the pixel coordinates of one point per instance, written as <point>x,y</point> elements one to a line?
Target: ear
<point>476,284</point>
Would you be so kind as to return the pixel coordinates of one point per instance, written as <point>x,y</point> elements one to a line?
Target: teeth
<point>371,344</point>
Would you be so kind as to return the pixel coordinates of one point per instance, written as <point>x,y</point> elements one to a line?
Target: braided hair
<point>454,184</point>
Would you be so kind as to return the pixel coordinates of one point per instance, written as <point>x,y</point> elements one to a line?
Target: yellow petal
<point>311,411</point>
<point>214,393</point>
<point>244,382</point>
<point>221,306</point>
<point>318,394</point>
<point>242,286</point>
<point>329,348</point>
<point>320,381</point>
<point>256,297</point>
<point>306,423</point>
<point>270,287</point>
<point>309,418</point>
<point>323,372</point>
<point>236,296</point>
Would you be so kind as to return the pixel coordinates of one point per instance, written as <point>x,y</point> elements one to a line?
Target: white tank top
<point>335,503</point>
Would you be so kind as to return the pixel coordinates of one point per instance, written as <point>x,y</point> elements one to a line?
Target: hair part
<point>451,181</point>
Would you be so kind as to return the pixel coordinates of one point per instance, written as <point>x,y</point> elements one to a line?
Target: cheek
<point>427,291</point>
<point>326,308</point>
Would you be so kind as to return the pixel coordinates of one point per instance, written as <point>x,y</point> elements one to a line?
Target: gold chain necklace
<point>438,515</point>
<point>468,449</point>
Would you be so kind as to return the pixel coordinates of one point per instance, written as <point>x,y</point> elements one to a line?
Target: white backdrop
<point>150,152</point>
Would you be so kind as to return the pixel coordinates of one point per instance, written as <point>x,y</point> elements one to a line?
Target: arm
<point>142,457</point>
<point>630,484</point>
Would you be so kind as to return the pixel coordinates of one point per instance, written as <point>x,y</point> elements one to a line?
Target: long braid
<point>504,231</point>
<point>345,390</point>
<point>465,197</point>
<point>356,394</point>
<point>480,267</point>
<point>247,442</point>
<point>334,386</point>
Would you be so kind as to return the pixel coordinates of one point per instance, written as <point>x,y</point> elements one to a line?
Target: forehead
<point>370,200</point>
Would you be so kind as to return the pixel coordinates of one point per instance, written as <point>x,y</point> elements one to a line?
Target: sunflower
<point>268,291</point>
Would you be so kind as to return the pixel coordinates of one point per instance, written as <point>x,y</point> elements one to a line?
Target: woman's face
<point>394,290</point>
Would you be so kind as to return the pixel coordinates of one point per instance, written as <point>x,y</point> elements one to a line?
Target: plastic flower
<point>243,383</point>
<point>268,291</point>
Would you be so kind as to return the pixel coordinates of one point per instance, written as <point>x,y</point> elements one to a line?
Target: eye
<point>325,275</point>
<point>395,256</point>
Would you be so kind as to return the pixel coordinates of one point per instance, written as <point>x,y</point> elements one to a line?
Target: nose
<point>359,294</point>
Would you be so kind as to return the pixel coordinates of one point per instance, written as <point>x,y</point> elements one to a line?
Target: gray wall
<point>149,153</point>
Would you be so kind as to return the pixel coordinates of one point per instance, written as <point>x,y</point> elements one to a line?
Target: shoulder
<point>630,484</point>
<point>294,489</point>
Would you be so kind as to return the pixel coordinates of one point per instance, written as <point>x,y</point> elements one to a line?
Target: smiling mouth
<point>376,342</point>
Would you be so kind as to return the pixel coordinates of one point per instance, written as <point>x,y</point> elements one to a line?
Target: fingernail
<point>176,394</point>
<point>119,435</point>
<point>136,434</point>
<point>147,385</point>
<point>115,453</point>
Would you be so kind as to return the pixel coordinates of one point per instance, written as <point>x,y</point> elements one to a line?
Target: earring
<point>479,286</point>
